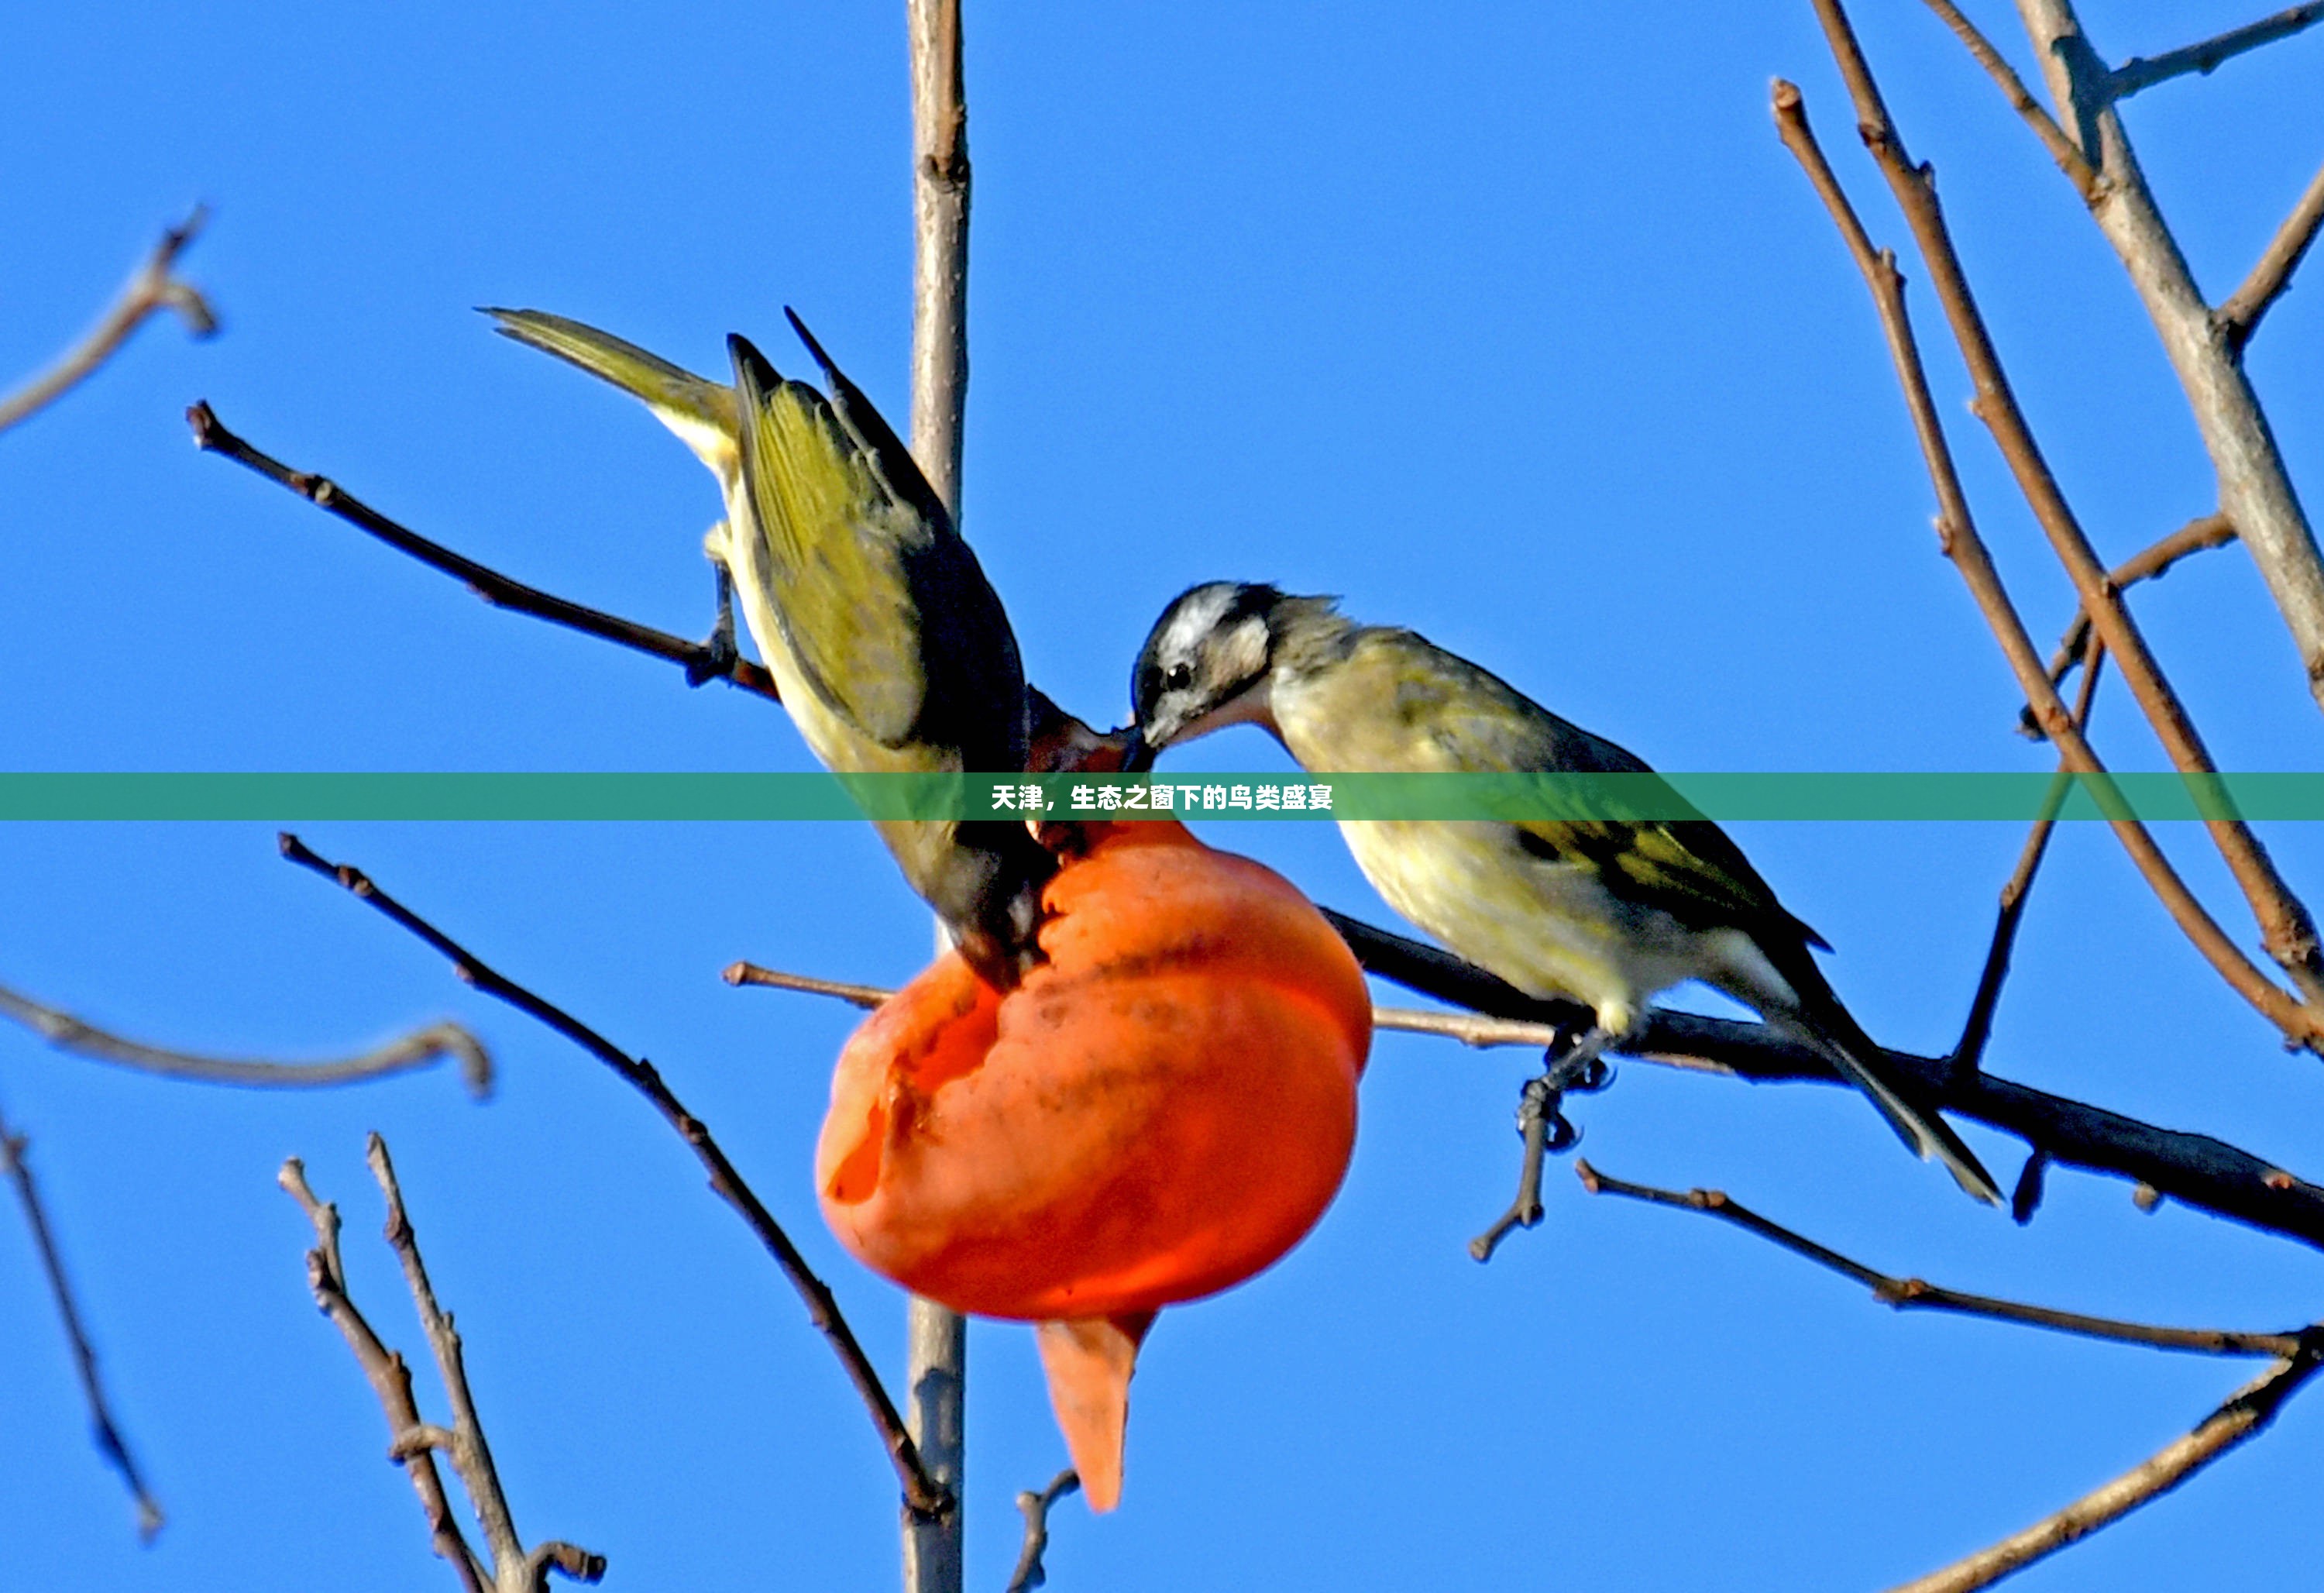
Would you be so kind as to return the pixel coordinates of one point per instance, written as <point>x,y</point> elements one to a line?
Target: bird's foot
<point>1576,1065</point>
<point>720,654</point>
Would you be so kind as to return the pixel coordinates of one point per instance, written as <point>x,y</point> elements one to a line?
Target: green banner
<point>1918,796</point>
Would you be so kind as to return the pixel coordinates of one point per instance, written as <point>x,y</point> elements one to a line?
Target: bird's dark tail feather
<point>1823,1023</point>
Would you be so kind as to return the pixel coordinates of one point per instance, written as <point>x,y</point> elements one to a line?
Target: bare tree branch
<point>700,660</point>
<point>2151,562</point>
<point>2247,1411</point>
<point>390,1379</point>
<point>1036,1507</point>
<point>1913,1294</point>
<point>2243,1415</point>
<point>2143,72</point>
<point>2196,1170</point>
<point>151,289</point>
<point>2286,929</point>
<point>415,1443</point>
<point>1956,529</point>
<point>2238,317</point>
<point>936,1338</point>
<point>109,1441</point>
<point>2255,488</point>
<point>1969,1051</point>
<point>467,1450</point>
<point>921,1493</point>
<point>2053,138</point>
<point>415,1050</point>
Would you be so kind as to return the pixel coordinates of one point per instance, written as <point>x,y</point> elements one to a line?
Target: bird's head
<point>1205,665</point>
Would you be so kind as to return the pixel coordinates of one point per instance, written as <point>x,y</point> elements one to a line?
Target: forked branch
<point>2151,562</point>
<point>1034,1507</point>
<point>154,288</point>
<point>507,1567</point>
<point>2206,352</point>
<point>2291,936</point>
<point>921,1493</point>
<point>2062,149</point>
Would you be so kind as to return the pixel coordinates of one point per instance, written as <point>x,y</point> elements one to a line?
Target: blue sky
<point>1514,324</point>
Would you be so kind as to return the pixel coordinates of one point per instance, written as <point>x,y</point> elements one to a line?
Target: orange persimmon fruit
<point>1159,1110</point>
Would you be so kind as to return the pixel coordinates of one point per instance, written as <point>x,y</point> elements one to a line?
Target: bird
<point>1606,911</point>
<point>888,645</point>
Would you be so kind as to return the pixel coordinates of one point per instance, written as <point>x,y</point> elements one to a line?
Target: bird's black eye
<point>1181,676</point>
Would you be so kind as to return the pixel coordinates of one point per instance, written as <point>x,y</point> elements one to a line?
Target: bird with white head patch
<point>1606,911</point>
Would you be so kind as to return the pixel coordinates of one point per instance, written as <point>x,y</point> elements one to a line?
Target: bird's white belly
<point>1548,928</point>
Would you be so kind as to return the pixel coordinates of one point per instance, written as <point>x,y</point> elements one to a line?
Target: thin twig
<point>2062,149</point>
<point>1969,1051</point>
<point>2238,317</point>
<point>415,1050</point>
<point>468,1450</point>
<point>2151,562</point>
<point>2144,73</point>
<point>700,660</point>
<point>1472,1029</point>
<point>2245,1413</point>
<point>1036,1507</point>
<point>1913,1294</point>
<point>390,1378</point>
<point>151,289</point>
<point>1469,1028</point>
<point>1956,530</point>
<point>921,1493</point>
<point>750,973</point>
<point>1535,1111</point>
<point>109,1441</point>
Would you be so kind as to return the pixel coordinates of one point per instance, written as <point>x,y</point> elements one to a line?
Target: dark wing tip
<point>750,368</point>
<point>813,348</point>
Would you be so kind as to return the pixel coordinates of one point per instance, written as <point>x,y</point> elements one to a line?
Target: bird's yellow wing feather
<point>1478,723</point>
<point>885,611</point>
<point>701,411</point>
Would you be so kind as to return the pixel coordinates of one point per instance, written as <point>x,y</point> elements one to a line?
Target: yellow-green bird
<point>888,645</point>
<point>1604,912</point>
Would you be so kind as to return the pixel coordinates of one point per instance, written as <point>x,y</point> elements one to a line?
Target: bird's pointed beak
<point>1138,757</point>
